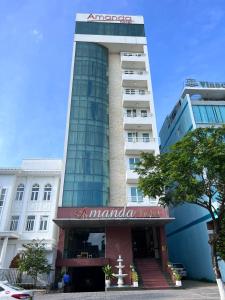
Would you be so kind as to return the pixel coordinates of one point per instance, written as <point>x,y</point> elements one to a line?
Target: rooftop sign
<point>204,84</point>
<point>106,18</point>
<point>92,17</point>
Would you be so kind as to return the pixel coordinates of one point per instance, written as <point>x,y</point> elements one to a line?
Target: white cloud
<point>37,34</point>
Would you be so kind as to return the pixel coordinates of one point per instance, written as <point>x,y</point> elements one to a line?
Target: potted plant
<point>108,275</point>
<point>134,276</point>
<point>177,278</point>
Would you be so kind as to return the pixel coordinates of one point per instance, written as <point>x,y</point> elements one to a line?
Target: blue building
<point>201,104</point>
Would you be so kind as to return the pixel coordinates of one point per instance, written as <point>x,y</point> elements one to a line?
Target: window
<point>136,195</point>
<point>131,113</point>
<point>141,92</point>
<point>144,113</point>
<point>132,162</point>
<point>2,198</point>
<point>145,137</point>
<point>19,192</point>
<point>30,223</point>
<point>47,192</point>
<point>34,193</point>
<point>132,136</point>
<point>102,28</point>
<point>14,223</point>
<point>130,91</point>
<point>43,223</point>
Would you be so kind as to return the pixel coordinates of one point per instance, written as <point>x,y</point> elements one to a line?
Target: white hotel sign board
<point>105,18</point>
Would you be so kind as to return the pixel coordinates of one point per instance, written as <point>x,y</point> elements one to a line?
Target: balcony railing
<point>134,72</point>
<point>140,139</point>
<point>138,115</point>
<point>136,92</point>
<point>135,199</point>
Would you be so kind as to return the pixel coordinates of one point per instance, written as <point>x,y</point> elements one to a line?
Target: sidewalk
<point>193,290</point>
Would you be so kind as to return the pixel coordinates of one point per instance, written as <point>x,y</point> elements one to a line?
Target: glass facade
<point>209,114</point>
<point>84,243</point>
<point>176,126</point>
<point>86,180</point>
<point>110,29</point>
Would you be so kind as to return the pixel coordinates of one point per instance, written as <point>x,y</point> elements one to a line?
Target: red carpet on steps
<point>151,275</point>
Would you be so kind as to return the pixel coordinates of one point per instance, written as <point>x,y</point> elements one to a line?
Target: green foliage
<point>176,275</point>
<point>220,241</point>
<point>33,260</point>
<point>134,276</point>
<point>192,172</point>
<point>108,272</point>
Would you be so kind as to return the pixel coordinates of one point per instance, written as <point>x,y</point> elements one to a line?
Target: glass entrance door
<point>143,243</point>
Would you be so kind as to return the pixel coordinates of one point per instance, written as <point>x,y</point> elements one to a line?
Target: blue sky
<point>186,39</point>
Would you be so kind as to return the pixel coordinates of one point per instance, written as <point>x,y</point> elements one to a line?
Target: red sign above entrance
<point>109,18</point>
<point>102,213</point>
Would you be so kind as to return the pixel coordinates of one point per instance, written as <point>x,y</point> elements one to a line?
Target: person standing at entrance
<point>66,281</point>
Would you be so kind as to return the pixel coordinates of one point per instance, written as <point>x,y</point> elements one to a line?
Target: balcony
<point>131,60</point>
<point>137,121</point>
<point>135,78</point>
<point>141,201</point>
<point>136,98</point>
<point>131,177</point>
<point>137,145</point>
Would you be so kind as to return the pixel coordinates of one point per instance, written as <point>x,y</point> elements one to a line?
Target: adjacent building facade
<point>28,204</point>
<point>111,120</point>
<point>201,104</point>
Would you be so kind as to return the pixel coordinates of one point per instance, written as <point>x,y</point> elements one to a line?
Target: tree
<point>33,260</point>
<point>194,172</point>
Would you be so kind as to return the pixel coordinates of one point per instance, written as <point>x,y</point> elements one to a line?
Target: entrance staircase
<point>150,274</point>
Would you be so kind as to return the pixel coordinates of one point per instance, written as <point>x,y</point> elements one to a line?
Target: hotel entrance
<point>144,242</point>
<point>87,279</point>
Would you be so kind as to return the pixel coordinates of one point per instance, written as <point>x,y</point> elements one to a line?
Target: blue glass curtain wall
<point>110,29</point>
<point>209,114</point>
<point>86,180</point>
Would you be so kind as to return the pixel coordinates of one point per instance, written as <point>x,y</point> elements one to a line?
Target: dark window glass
<point>110,29</point>
<point>86,180</point>
<point>209,113</point>
<point>84,242</point>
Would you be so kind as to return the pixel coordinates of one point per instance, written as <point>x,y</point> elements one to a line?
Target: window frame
<point>32,220</point>
<point>43,223</point>
<point>14,223</point>
<point>35,192</point>
<point>47,195</point>
<point>20,192</point>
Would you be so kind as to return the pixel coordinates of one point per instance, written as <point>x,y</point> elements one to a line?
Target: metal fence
<point>14,276</point>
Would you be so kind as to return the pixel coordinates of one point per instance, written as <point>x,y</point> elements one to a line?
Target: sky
<point>186,39</point>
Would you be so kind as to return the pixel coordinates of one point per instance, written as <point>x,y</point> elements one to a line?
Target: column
<point>3,252</point>
<point>156,244</point>
<point>163,247</point>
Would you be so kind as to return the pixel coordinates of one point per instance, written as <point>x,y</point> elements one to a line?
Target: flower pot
<point>135,284</point>
<point>60,285</point>
<point>178,283</point>
<point>107,283</point>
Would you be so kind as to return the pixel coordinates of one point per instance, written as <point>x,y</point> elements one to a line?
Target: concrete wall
<point>116,139</point>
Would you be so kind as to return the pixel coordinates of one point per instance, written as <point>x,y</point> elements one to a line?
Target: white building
<point>111,121</point>
<point>28,203</point>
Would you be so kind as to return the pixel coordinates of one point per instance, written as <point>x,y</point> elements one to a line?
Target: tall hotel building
<point>111,120</point>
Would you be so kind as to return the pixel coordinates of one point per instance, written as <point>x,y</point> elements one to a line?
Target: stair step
<point>151,275</point>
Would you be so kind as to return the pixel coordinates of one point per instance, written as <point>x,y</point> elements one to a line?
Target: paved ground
<point>193,291</point>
